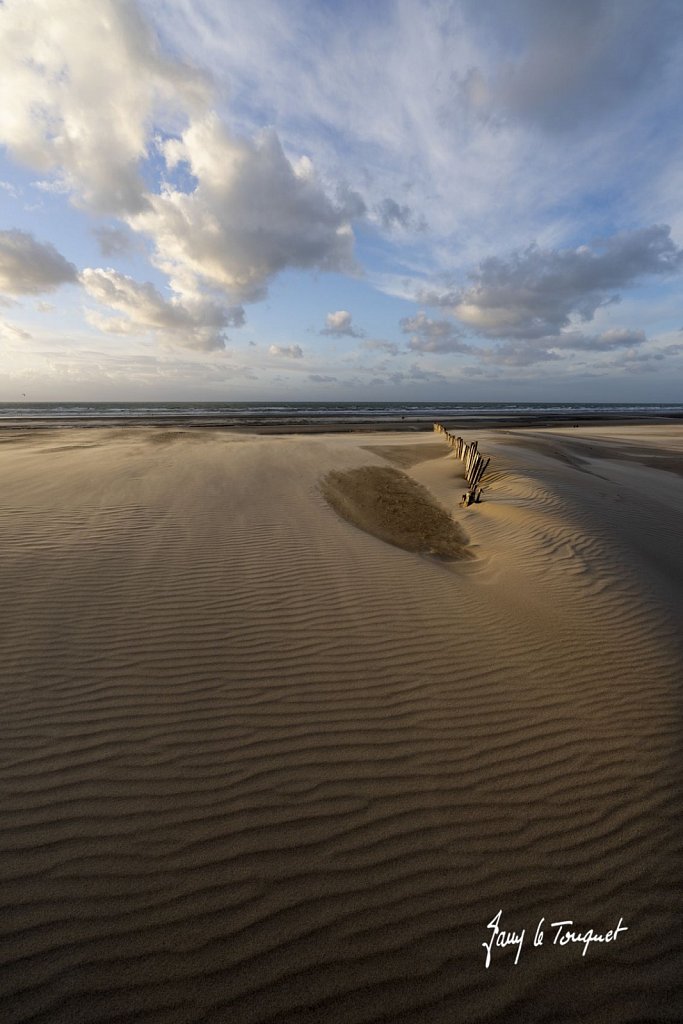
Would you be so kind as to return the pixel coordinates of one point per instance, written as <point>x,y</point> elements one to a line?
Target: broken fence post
<point>476,464</point>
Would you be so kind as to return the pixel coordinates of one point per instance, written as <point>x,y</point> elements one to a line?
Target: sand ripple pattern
<point>258,766</point>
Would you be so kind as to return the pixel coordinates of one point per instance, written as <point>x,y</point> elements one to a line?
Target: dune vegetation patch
<point>394,507</point>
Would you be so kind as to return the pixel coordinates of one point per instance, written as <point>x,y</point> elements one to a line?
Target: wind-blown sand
<point>257,765</point>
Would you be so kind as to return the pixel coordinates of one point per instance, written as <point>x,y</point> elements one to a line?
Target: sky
<point>477,200</point>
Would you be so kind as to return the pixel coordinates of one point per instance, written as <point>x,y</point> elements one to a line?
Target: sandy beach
<point>259,764</point>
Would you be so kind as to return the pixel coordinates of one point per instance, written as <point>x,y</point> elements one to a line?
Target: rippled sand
<point>258,765</point>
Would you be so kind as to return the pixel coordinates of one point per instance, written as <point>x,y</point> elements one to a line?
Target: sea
<point>243,414</point>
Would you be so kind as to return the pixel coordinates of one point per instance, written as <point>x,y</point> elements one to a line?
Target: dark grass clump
<point>394,507</point>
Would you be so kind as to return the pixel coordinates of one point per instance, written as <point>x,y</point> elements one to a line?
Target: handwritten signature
<point>563,935</point>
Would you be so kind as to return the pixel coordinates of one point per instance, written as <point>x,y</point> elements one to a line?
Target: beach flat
<point>259,764</point>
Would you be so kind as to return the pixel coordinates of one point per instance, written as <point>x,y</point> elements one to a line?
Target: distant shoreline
<point>338,425</point>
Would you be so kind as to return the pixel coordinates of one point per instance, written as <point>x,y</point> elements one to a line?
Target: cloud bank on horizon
<point>407,199</point>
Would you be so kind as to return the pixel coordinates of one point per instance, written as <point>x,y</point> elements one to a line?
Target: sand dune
<point>257,765</point>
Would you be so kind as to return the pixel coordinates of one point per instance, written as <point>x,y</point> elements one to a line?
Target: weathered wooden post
<point>475,463</point>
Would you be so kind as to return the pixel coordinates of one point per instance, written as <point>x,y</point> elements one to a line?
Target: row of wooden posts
<point>475,463</point>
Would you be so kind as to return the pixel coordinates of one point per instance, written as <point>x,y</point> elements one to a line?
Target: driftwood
<point>475,463</point>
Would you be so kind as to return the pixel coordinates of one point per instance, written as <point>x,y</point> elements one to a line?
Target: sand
<point>258,765</point>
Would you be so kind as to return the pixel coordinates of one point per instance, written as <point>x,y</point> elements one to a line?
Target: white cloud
<point>379,345</point>
<point>252,214</point>
<point>10,189</point>
<point>552,348</point>
<point>86,80</point>
<point>492,124</point>
<point>54,187</point>
<point>536,292</point>
<point>12,333</point>
<point>198,324</point>
<point>115,240</point>
<point>606,341</point>
<point>93,94</point>
<point>28,267</point>
<point>339,324</point>
<point>433,335</point>
<point>453,109</point>
<point>286,351</point>
<point>106,372</point>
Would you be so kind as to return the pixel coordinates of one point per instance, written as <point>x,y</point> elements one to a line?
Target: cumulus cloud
<point>86,79</point>
<point>252,214</point>
<point>554,347</point>
<point>433,335</point>
<point>408,119</point>
<point>92,94</point>
<point>28,267</point>
<point>114,241</point>
<point>607,341</point>
<point>286,351</point>
<point>101,113</point>
<point>379,345</point>
<point>198,324</point>
<point>536,292</point>
<point>339,324</point>
<point>639,362</point>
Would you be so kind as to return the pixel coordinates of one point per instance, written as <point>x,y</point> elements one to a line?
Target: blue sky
<point>388,201</point>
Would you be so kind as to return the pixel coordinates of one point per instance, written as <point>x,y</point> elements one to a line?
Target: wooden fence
<point>475,463</point>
